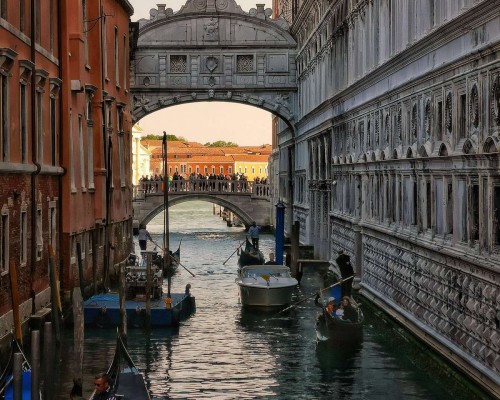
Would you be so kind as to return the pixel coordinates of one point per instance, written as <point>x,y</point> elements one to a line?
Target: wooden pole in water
<point>147,322</point>
<point>166,228</point>
<point>54,292</point>
<point>48,360</point>
<point>78,340</point>
<point>35,365</point>
<point>123,310</point>
<point>80,267</point>
<point>17,384</point>
<point>294,249</point>
<point>14,291</point>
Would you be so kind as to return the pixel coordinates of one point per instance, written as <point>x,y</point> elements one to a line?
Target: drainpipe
<point>107,147</point>
<point>60,146</point>
<point>33,158</point>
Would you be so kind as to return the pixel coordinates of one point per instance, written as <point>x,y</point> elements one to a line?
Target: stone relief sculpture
<point>140,101</point>
<point>211,29</point>
<point>474,106</point>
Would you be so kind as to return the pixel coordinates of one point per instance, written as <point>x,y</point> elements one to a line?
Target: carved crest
<point>211,63</point>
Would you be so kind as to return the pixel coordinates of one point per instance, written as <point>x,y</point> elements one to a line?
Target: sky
<point>207,121</point>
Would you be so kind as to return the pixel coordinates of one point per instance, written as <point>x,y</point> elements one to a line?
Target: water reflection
<point>226,352</point>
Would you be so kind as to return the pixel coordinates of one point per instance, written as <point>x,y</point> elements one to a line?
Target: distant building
<point>141,156</point>
<point>252,166</point>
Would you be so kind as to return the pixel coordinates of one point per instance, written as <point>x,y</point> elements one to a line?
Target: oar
<point>170,255</point>
<point>152,241</point>
<point>237,248</point>
<point>315,293</point>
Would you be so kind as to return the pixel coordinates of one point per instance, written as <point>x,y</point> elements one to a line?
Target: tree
<point>221,143</point>
<point>170,138</point>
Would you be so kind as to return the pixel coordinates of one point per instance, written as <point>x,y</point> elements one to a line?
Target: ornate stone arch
<point>491,145</point>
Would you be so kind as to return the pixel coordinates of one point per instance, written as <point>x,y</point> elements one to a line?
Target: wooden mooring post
<point>123,294</point>
<point>48,360</point>
<point>35,365</point>
<point>17,376</point>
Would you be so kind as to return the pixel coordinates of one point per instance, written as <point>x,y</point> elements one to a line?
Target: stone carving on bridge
<point>140,102</point>
<point>213,6</point>
<point>211,28</point>
<point>211,63</point>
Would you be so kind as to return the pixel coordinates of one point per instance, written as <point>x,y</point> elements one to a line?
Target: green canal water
<point>225,352</point>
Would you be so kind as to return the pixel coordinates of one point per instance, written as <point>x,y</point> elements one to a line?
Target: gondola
<point>333,328</point>
<point>170,264</point>
<point>250,255</point>
<point>6,379</point>
<point>125,379</point>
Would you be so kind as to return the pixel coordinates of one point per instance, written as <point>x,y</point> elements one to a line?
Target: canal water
<point>225,352</point>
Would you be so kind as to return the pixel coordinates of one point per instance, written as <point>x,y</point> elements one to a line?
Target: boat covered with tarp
<point>265,286</point>
<point>7,377</point>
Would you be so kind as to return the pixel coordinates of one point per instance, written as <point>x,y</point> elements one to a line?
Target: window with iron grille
<point>178,63</point>
<point>244,63</point>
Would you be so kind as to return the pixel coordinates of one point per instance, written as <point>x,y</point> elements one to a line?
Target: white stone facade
<point>395,159</point>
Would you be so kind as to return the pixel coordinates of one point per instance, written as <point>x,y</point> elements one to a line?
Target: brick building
<point>97,144</point>
<point>64,145</point>
<point>30,168</point>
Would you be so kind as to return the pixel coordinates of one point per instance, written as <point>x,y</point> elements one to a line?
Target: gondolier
<point>346,271</point>
<point>254,231</point>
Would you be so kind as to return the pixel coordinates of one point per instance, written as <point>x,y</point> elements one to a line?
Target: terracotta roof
<point>250,158</point>
<point>204,159</point>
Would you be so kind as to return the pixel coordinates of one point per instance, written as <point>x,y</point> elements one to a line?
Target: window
<point>71,153</point>
<point>474,212</point>
<point>439,131</point>
<point>81,151</point>
<point>125,62</point>
<point>4,241</point>
<point>53,131</point>
<point>117,59</point>
<point>52,224</point>
<point>449,209</point>
<point>38,25</point>
<point>23,236</point>
<point>105,46</point>
<point>463,117</point>
<point>197,169</point>
<point>121,154</point>
<point>428,205</point>
<point>39,125</point>
<point>52,24</point>
<point>221,170</point>
<point>22,11</point>
<point>439,205</point>
<point>3,9</point>
<point>461,211</point>
<point>4,115</point>
<point>496,215</point>
<point>213,169</point>
<point>85,33</point>
<point>229,170</point>
<point>206,170</point>
<point>39,233</point>
<point>23,131</point>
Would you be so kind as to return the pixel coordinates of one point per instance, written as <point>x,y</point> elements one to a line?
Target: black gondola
<point>333,328</point>
<point>6,379</point>
<point>125,380</point>
<point>171,263</point>
<point>250,255</point>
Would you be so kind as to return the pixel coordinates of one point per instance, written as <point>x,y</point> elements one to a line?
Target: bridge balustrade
<point>214,186</point>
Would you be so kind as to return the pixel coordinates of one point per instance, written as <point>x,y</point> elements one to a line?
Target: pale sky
<point>207,121</point>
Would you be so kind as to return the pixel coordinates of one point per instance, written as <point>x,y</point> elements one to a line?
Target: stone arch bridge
<point>211,50</point>
<point>247,200</point>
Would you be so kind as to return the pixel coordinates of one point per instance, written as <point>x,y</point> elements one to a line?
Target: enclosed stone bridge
<point>211,50</point>
<point>246,199</point>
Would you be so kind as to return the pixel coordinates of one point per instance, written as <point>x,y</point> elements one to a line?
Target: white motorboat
<point>265,285</point>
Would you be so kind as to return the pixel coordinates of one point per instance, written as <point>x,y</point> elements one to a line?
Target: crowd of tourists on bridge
<point>204,183</point>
